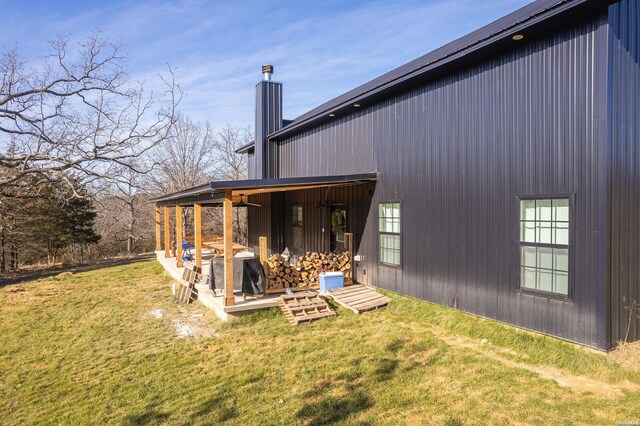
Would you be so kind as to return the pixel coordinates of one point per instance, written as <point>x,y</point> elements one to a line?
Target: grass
<point>82,348</point>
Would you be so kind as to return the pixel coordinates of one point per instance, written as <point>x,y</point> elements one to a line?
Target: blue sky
<point>319,49</point>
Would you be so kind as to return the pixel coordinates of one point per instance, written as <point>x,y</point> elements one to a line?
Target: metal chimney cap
<point>267,70</point>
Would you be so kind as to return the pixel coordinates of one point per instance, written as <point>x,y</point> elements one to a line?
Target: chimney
<point>267,70</point>
<point>268,120</point>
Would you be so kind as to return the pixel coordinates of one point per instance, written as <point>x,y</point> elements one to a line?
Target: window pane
<point>561,283</point>
<point>545,258</point>
<point>562,233</point>
<point>389,228</point>
<point>529,256</point>
<point>561,261</point>
<point>528,232</point>
<point>543,210</point>
<point>544,233</point>
<point>561,210</point>
<point>528,277</point>
<point>396,210</point>
<point>545,280</point>
<point>528,210</point>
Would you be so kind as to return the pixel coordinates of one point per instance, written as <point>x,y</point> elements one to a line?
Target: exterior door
<point>338,227</point>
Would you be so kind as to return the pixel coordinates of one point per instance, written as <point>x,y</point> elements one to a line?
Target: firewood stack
<point>305,273</point>
<point>281,274</point>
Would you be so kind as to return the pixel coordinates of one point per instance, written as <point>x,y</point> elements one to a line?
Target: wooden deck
<point>215,301</point>
<point>359,298</point>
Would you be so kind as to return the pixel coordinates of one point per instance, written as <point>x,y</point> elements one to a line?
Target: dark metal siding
<point>316,206</point>
<point>346,144</point>
<point>259,219</point>
<point>268,120</point>
<point>624,20</point>
<point>251,165</point>
<point>456,152</point>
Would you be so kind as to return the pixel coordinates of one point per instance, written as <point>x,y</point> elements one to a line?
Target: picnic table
<point>218,247</point>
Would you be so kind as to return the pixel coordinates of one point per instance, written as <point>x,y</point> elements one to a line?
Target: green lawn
<point>83,349</point>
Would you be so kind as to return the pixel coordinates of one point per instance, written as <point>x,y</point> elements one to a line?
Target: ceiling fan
<point>242,203</point>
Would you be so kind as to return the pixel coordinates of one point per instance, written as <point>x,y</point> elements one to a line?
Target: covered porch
<point>229,195</point>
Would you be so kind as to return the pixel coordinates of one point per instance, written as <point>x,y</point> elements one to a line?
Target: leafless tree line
<point>76,126</point>
<point>194,154</point>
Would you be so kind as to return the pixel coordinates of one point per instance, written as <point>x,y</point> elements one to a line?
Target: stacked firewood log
<point>281,274</point>
<point>305,273</point>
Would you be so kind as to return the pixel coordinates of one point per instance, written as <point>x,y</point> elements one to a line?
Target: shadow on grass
<point>222,405</point>
<point>150,417</point>
<point>20,276</point>
<point>385,369</point>
<point>334,409</point>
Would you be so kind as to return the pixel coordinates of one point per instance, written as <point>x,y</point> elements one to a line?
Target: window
<point>389,228</point>
<point>544,245</point>
<point>297,216</point>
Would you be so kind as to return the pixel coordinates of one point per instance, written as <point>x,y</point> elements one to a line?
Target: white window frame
<point>544,228</point>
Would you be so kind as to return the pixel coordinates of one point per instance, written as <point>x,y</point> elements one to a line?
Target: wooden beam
<point>167,235</point>
<point>227,207</point>
<point>197,233</point>
<point>158,230</point>
<point>263,252</point>
<point>179,236</point>
<point>348,245</point>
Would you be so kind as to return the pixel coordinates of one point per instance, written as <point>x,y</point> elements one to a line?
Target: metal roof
<point>496,34</point>
<point>213,193</point>
<point>245,148</point>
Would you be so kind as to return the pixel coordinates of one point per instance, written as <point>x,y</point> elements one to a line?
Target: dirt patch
<point>510,358</point>
<point>579,384</point>
<point>193,323</point>
<point>627,355</point>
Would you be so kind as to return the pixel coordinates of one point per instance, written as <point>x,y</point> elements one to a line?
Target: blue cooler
<point>330,280</point>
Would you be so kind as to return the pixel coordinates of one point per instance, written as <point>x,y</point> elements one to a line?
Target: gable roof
<point>535,19</point>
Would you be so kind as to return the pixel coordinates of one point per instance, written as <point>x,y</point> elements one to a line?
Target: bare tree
<point>124,215</point>
<point>233,166</point>
<point>77,115</point>
<point>186,158</point>
<point>229,164</point>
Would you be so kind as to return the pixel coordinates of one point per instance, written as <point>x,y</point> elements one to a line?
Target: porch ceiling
<point>213,194</point>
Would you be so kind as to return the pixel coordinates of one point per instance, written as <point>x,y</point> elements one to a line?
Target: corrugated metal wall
<point>345,146</point>
<point>251,165</point>
<point>316,205</point>
<point>259,219</point>
<point>624,20</point>
<point>457,152</point>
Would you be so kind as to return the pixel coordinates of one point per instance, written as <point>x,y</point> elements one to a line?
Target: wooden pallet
<point>359,298</point>
<point>186,292</point>
<point>304,307</point>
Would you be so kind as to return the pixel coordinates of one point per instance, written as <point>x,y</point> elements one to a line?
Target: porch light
<point>518,37</point>
<point>332,115</point>
<point>356,105</point>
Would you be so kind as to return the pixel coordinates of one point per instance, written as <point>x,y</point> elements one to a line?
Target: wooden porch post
<point>167,235</point>
<point>348,245</point>
<point>197,233</point>
<point>179,236</point>
<point>229,298</point>
<point>262,241</point>
<point>158,230</point>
